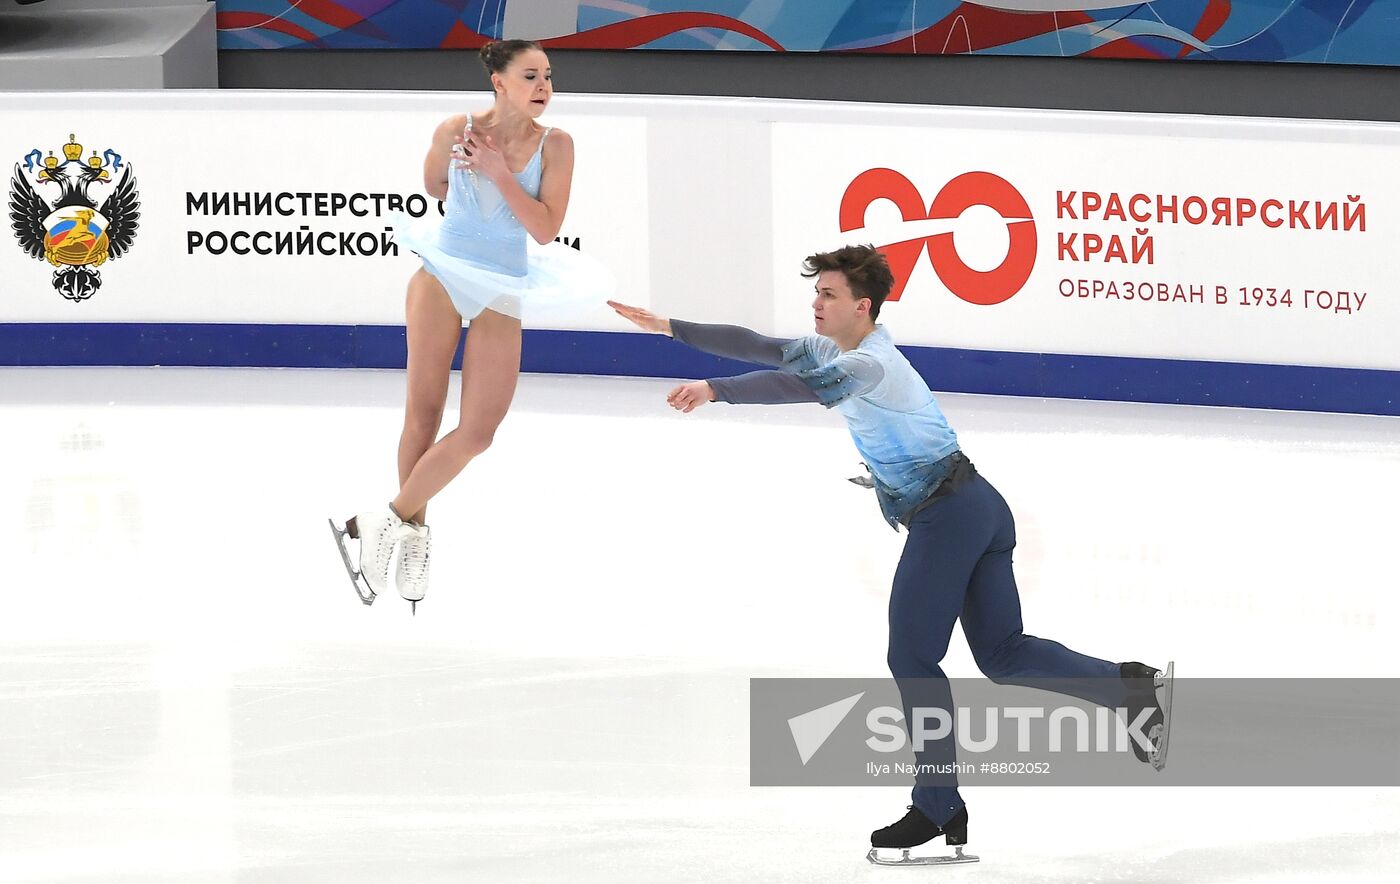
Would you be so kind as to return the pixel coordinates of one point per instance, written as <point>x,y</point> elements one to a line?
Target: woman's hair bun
<point>497,55</point>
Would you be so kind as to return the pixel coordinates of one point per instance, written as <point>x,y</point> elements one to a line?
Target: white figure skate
<point>377,533</point>
<point>412,573</point>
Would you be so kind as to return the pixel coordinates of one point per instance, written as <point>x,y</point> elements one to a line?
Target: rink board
<point>1068,254</point>
<point>1046,375</point>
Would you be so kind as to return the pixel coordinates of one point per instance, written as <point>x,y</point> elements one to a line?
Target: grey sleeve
<point>762,388</point>
<point>731,341</point>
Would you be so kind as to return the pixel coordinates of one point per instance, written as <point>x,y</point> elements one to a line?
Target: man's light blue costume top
<point>894,420</point>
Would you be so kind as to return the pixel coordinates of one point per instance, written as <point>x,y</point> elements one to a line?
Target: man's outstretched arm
<point>847,376</point>
<point>802,380</point>
<point>729,341</point>
<point>762,388</point>
<point>754,388</point>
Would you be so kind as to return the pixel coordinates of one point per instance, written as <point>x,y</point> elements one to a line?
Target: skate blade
<point>1159,755</point>
<point>362,589</point>
<point>905,859</point>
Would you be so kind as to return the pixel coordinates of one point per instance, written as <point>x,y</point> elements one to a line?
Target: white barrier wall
<point>1143,236</point>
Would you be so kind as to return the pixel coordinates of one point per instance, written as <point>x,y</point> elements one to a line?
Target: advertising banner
<point>276,212</point>
<point>1263,246</point>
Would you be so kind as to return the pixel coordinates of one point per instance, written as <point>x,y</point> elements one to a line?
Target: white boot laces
<point>415,555</point>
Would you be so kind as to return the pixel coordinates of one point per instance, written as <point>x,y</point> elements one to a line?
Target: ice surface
<point>189,690</point>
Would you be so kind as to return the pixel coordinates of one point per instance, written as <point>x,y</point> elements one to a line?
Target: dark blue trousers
<point>957,563</point>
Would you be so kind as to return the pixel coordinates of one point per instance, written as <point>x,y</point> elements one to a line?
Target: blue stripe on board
<point>1293,387</point>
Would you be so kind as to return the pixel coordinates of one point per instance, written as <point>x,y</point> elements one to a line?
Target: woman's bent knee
<point>470,443</point>
<point>423,422</point>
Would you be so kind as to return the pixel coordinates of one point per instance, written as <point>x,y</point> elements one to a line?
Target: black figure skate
<point>1151,689</point>
<point>916,829</point>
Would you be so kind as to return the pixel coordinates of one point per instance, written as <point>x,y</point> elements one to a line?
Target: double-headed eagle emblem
<point>72,233</point>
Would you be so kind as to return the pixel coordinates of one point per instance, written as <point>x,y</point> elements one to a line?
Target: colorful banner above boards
<point>1313,31</point>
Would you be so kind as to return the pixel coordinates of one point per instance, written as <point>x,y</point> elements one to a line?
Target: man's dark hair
<point>866,271</point>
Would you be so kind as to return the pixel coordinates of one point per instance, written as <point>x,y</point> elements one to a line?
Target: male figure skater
<point>957,559</point>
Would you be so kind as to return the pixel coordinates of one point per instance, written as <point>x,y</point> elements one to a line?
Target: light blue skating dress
<point>485,259</point>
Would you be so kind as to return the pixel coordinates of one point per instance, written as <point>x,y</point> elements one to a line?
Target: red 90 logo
<point>966,190</point>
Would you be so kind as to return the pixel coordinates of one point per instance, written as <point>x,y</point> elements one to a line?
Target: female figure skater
<point>503,176</point>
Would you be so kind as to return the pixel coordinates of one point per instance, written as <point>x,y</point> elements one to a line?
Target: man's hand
<point>688,397</point>
<point>643,319</point>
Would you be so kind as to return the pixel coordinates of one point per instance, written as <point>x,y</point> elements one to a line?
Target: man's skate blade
<point>905,859</point>
<point>1159,757</point>
<point>362,590</point>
